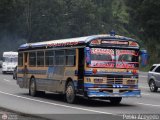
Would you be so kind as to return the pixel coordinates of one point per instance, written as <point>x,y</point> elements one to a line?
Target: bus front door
<point>81,70</point>
<point>25,71</point>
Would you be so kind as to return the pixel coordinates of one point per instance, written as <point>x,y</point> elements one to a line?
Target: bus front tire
<point>32,87</point>
<point>115,100</point>
<point>70,93</point>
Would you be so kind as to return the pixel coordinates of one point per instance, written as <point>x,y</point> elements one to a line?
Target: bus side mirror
<point>144,57</point>
<point>88,55</point>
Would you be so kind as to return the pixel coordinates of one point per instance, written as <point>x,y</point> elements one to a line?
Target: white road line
<point>55,104</point>
<point>149,104</point>
<point>6,80</point>
<point>143,87</point>
<point>145,94</point>
<point>143,76</point>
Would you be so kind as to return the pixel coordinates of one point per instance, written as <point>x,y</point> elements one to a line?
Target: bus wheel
<point>32,87</point>
<point>115,100</point>
<point>70,93</point>
<point>152,86</point>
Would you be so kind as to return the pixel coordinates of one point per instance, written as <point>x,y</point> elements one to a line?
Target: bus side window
<point>32,59</point>
<point>70,57</point>
<point>40,58</point>
<point>49,58</point>
<point>59,57</point>
<point>20,59</point>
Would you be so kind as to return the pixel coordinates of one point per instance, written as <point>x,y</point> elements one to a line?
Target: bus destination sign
<point>109,42</point>
<point>114,42</point>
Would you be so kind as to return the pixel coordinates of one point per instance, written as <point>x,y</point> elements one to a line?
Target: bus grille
<point>114,80</point>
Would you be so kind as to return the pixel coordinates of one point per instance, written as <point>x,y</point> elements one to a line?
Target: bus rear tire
<point>115,100</point>
<point>32,88</point>
<point>70,93</point>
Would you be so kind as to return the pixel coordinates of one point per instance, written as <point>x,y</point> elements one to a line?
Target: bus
<point>10,61</point>
<point>94,67</point>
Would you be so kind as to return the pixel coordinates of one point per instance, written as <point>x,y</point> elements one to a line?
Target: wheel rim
<point>70,93</point>
<point>152,86</point>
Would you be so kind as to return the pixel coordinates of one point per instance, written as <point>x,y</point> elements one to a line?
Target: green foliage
<point>39,20</point>
<point>144,20</point>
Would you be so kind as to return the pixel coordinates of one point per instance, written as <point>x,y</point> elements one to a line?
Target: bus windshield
<point>114,58</point>
<point>9,59</point>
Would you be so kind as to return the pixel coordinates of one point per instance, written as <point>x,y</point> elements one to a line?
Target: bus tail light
<point>134,72</point>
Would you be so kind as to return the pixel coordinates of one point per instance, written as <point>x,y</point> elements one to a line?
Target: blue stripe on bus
<point>33,71</point>
<point>76,72</point>
<point>42,80</point>
<point>104,73</point>
<point>92,85</point>
<point>134,93</point>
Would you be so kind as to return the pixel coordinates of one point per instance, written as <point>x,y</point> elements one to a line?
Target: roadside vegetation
<point>24,21</point>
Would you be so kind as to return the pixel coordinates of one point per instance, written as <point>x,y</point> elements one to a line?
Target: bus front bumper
<point>113,93</point>
<point>8,69</point>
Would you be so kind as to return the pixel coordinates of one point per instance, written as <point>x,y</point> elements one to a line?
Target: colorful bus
<point>10,61</point>
<point>97,66</point>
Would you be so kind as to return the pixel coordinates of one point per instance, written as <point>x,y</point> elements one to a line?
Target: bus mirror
<point>144,57</point>
<point>88,55</point>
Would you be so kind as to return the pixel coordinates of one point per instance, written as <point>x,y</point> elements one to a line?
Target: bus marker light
<point>134,72</point>
<point>94,71</point>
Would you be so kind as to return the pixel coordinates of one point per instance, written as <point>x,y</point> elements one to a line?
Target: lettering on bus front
<point>111,58</point>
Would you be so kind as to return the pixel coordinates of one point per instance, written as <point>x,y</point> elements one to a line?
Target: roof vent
<point>112,33</point>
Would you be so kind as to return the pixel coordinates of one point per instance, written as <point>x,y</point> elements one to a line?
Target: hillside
<point>24,21</point>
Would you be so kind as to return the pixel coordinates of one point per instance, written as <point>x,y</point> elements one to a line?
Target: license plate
<point>115,90</point>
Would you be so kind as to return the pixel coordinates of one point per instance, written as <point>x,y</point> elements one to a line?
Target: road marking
<point>143,87</point>
<point>6,80</point>
<point>66,106</point>
<point>149,104</point>
<point>145,94</point>
<point>143,76</point>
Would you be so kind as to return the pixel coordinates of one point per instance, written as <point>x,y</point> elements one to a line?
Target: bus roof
<point>72,41</point>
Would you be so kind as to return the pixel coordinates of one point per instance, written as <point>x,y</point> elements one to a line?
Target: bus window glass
<point>102,57</point>
<point>59,57</point>
<point>49,58</point>
<point>10,59</point>
<point>70,57</point>
<point>126,58</point>
<point>40,58</point>
<point>32,59</point>
<point>20,59</point>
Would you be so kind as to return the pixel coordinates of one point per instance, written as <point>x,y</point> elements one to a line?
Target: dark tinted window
<point>40,58</point>
<point>157,69</point>
<point>152,68</point>
<point>101,57</point>
<point>49,58</point>
<point>32,59</point>
<point>20,59</point>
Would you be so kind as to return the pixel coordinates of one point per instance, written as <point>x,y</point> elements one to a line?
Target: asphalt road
<point>53,106</point>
